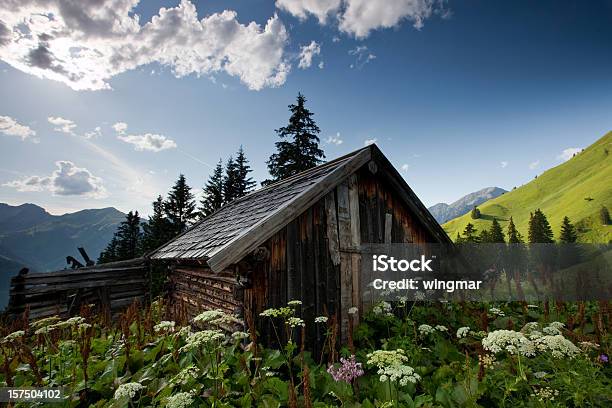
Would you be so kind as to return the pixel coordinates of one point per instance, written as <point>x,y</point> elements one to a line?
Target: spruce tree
<point>230,181</point>
<point>213,192</point>
<point>514,237</point>
<point>129,237</point>
<point>298,149</point>
<point>157,230</point>
<point>569,252</point>
<point>475,214</point>
<point>126,242</point>
<point>496,234</point>
<point>244,183</point>
<point>470,234</point>
<point>568,232</point>
<point>109,254</point>
<point>180,207</point>
<point>539,228</point>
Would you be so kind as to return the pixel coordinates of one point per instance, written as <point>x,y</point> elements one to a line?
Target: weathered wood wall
<point>195,288</point>
<point>112,286</point>
<point>316,257</point>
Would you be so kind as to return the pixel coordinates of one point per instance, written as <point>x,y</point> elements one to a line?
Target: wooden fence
<point>112,286</point>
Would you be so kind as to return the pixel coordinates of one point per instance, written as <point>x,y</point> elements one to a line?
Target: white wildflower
<point>509,341</point>
<point>353,310</point>
<point>558,345</point>
<point>75,321</point>
<point>164,326</point>
<point>294,302</point>
<point>321,319</point>
<point>462,332</point>
<point>179,400</point>
<point>545,393</point>
<point>208,316</point>
<point>441,328</point>
<point>497,312</point>
<point>382,308</point>
<point>202,338</point>
<point>240,335</point>
<point>128,390</point>
<point>185,375</point>
<point>391,366</point>
<point>540,374</point>
<point>486,360</point>
<point>13,336</point>
<point>426,329</point>
<point>295,322</point>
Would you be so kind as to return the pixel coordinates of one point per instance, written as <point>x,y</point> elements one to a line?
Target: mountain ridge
<point>443,212</point>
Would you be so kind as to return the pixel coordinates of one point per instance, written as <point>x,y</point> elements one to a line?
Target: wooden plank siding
<point>111,286</point>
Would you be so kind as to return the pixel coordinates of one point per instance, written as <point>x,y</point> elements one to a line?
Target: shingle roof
<point>215,232</point>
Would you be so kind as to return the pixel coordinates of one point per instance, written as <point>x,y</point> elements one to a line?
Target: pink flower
<point>348,371</point>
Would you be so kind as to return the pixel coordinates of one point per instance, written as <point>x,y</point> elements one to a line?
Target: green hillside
<point>577,188</point>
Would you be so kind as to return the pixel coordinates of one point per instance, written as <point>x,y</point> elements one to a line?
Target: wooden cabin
<point>298,239</point>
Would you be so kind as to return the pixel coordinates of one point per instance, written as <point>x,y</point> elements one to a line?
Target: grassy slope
<point>559,191</point>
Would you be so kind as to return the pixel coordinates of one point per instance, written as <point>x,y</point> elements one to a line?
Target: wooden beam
<point>332,228</point>
<point>388,226</point>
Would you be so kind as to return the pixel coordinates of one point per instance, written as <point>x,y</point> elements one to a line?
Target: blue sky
<point>459,96</point>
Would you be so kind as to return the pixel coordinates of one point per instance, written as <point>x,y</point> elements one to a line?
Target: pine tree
<point>568,232</point>
<point>475,214</point>
<point>496,234</point>
<point>470,234</point>
<point>180,207</point>
<point>244,183</point>
<point>604,215</point>
<point>213,192</point>
<point>569,252</point>
<point>514,237</point>
<point>126,242</point>
<point>539,228</point>
<point>157,230</point>
<point>298,149</point>
<point>230,181</point>
<point>109,254</point>
<point>129,237</point>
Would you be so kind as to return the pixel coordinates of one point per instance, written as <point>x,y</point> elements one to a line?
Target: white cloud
<point>11,127</point>
<point>335,39</point>
<point>306,54</point>
<point>503,164</point>
<point>96,132</point>
<point>337,140</point>
<point>534,164</point>
<point>569,153</point>
<point>301,9</point>
<point>62,125</point>
<point>148,141</point>
<point>362,56</point>
<point>321,65</point>
<point>360,17</point>
<point>368,142</point>
<point>85,44</point>
<point>405,167</point>
<point>66,180</point>
<point>120,127</point>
